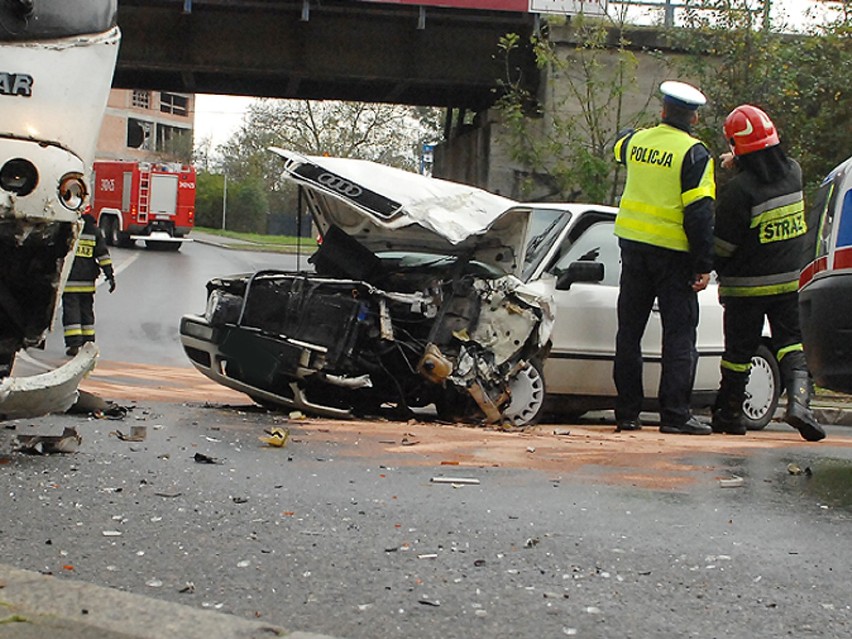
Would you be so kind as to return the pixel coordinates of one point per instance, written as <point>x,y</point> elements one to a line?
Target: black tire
<point>763,391</point>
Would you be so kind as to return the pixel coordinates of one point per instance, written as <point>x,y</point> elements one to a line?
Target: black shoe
<point>692,427</point>
<point>71,351</point>
<point>627,424</point>
<point>729,427</point>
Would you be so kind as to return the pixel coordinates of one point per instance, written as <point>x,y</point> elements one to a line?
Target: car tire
<point>763,391</point>
<point>528,392</point>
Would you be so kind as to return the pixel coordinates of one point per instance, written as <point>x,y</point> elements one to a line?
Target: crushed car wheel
<point>763,390</point>
<point>527,402</point>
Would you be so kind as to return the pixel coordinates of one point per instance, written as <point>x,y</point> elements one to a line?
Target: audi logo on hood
<point>338,184</point>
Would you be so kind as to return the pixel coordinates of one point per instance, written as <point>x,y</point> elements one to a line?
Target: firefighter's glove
<point>111,284</point>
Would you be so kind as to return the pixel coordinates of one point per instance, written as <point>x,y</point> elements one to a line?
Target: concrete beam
<point>344,50</point>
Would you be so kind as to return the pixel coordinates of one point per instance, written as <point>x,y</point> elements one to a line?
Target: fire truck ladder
<point>144,193</point>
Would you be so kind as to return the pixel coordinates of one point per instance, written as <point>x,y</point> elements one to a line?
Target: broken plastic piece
<point>137,434</point>
<point>455,480</point>
<point>68,442</point>
<point>51,392</point>
<point>277,437</point>
<point>201,458</point>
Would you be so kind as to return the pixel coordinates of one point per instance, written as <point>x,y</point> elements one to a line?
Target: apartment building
<point>147,126</point>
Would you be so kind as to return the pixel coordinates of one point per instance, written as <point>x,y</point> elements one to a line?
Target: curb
<point>833,415</point>
<point>35,606</point>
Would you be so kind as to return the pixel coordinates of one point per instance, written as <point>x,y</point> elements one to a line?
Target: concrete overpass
<point>319,49</point>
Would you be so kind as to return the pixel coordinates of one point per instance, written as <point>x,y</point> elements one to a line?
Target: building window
<point>141,99</point>
<point>173,140</point>
<point>139,134</point>
<point>174,104</point>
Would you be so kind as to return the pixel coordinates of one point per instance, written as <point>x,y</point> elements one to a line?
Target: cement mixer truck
<point>57,59</point>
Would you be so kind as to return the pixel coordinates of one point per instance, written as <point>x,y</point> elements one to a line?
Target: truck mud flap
<point>51,392</point>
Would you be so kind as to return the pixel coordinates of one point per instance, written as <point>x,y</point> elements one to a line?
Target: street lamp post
<point>224,201</point>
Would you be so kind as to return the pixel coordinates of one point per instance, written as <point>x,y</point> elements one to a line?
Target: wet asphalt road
<point>336,536</point>
<point>320,536</point>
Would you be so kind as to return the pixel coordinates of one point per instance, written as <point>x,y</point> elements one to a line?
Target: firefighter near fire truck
<point>56,66</point>
<point>149,201</point>
<point>91,257</point>
<point>760,232</point>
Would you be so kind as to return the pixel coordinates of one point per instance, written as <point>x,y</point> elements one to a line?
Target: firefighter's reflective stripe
<point>792,348</point>
<point>84,286</point>
<point>652,205</point>
<point>104,261</point>
<point>73,330</point>
<point>757,285</point>
<point>85,247</point>
<point>737,368</point>
<point>781,218</point>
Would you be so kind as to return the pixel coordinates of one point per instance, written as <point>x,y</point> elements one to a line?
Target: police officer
<point>665,231</point>
<point>760,236</point>
<point>78,299</point>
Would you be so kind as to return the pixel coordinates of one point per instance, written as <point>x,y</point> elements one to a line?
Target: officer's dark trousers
<point>78,318</point>
<point>649,273</point>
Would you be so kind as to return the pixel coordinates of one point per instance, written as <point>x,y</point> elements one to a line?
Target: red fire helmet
<point>749,129</point>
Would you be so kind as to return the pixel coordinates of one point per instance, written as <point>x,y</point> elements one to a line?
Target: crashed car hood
<point>389,209</point>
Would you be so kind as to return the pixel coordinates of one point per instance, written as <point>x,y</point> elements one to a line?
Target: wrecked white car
<point>416,299</point>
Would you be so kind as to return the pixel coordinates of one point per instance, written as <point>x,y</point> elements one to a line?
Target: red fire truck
<point>153,201</point>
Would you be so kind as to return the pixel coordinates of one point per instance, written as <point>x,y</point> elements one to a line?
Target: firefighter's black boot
<point>799,414</point>
<point>728,409</point>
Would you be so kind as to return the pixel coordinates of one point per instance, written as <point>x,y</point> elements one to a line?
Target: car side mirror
<point>582,271</point>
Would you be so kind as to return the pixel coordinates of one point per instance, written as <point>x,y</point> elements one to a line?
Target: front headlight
<point>199,331</point>
<point>223,308</point>
<point>72,191</point>
<point>19,176</point>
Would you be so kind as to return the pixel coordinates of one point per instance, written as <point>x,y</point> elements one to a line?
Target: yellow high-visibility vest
<point>651,208</point>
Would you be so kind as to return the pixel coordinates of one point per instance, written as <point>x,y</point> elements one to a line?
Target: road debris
<point>137,434</point>
<point>90,404</point>
<point>456,481</point>
<point>68,442</point>
<point>731,482</point>
<point>276,437</point>
<point>429,602</point>
<point>795,469</point>
<point>201,458</point>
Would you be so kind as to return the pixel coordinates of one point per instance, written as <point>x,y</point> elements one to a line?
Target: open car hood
<point>389,209</point>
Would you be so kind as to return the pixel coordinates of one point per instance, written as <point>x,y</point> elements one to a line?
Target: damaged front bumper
<point>337,348</point>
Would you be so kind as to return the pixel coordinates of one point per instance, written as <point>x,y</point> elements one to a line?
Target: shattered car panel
<point>395,314</point>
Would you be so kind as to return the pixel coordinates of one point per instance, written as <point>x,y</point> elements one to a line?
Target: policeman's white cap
<point>682,94</point>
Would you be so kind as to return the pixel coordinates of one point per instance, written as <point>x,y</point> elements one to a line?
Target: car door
<point>583,337</point>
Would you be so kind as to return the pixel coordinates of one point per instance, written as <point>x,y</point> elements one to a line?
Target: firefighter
<point>78,300</point>
<point>665,231</point>
<point>760,235</point>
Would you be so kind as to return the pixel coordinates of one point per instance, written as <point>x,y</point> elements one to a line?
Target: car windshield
<point>544,227</point>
